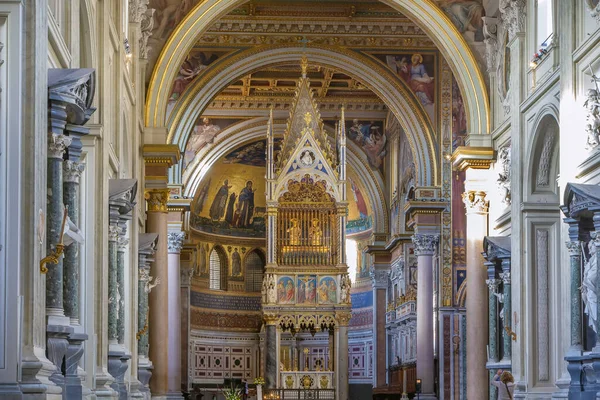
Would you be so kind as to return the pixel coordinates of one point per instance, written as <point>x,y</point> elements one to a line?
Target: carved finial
<point>307,118</point>
<point>304,65</point>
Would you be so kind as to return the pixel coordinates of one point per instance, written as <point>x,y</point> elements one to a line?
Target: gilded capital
<point>475,202</point>
<point>157,199</point>
<point>271,319</point>
<point>343,318</point>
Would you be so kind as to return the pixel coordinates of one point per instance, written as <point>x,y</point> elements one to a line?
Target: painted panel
<point>327,290</point>
<point>286,291</point>
<point>306,289</point>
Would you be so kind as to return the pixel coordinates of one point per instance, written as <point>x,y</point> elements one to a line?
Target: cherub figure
<point>150,285</point>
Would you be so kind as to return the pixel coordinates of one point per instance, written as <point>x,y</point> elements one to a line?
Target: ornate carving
<point>505,276</point>
<point>269,292</point>
<point>345,286</point>
<point>343,318</point>
<point>592,104</point>
<point>594,8</point>
<point>542,303</point>
<point>490,34</point>
<point>307,190</point>
<point>157,199</point>
<point>136,9</point>
<point>504,156</point>
<point>114,231</point>
<point>379,278</point>
<point>57,144</point>
<point>150,285</point>
<point>72,171</point>
<point>543,177</point>
<point>493,285</point>
<point>185,276</point>
<point>513,16</point>
<point>574,248</point>
<point>425,244</point>
<point>122,242</point>
<point>475,202</point>
<point>175,241</point>
<point>146,26</point>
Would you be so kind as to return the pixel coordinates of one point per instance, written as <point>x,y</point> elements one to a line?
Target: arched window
<point>255,265</point>
<point>544,22</point>
<point>218,269</point>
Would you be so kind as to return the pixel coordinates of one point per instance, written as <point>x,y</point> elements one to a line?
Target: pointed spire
<point>304,65</point>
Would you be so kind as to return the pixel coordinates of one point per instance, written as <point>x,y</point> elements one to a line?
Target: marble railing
<point>401,311</point>
<point>307,380</point>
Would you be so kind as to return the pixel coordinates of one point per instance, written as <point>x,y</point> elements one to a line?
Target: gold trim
<point>161,154</point>
<point>465,157</point>
<point>156,199</point>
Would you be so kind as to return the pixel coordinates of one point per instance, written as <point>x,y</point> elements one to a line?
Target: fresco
<point>195,62</point>
<point>236,263</point>
<point>418,71</point>
<point>459,117</point>
<point>230,198</point>
<point>327,290</point>
<point>466,15</point>
<point>369,135</point>
<point>306,289</point>
<point>204,133</point>
<point>285,290</point>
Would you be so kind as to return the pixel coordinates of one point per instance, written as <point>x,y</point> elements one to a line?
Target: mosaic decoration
<point>362,300</point>
<point>286,290</point>
<point>327,290</point>
<point>225,320</point>
<point>220,302</point>
<point>223,362</point>
<point>363,318</point>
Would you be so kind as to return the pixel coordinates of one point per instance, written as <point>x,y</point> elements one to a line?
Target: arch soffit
<point>255,130</point>
<point>547,117</point>
<point>425,13</point>
<point>399,99</point>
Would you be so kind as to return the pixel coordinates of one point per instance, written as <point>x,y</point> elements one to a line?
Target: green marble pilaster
<point>574,248</point>
<point>71,195</point>
<point>493,318</point>
<point>142,334</point>
<point>506,339</point>
<point>57,143</point>
<point>122,243</point>
<point>114,231</point>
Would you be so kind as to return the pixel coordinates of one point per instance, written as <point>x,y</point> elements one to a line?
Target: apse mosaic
<point>369,135</point>
<point>231,201</point>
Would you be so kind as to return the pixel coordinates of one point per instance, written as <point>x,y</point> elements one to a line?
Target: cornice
<point>161,154</point>
<point>465,157</point>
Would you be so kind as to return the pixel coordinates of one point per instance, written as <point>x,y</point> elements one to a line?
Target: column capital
<point>157,199</point>
<point>379,278</point>
<point>475,202</point>
<point>57,144</point>
<point>425,243</point>
<point>114,231</point>
<point>175,241</point>
<point>493,284</point>
<point>343,318</point>
<point>574,247</point>
<point>122,242</point>
<point>72,171</point>
<point>270,319</point>
<point>505,276</point>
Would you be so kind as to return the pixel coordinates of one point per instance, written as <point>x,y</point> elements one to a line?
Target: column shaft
<point>574,248</point>
<point>113,236</point>
<point>476,302</point>
<point>271,355</point>
<point>506,319</point>
<point>341,370</point>
<point>493,318</point>
<point>174,288</point>
<point>158,303</point>
<point>379,334</point>
<point>122,243</point>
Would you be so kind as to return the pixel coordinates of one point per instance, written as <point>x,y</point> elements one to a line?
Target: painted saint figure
<point>360,200</point>
<point>315,234</point>
<point>230,205</point>
<point>217,209</point>
<point>236,264</point>
<point>294,233</point>
<point>246,205</point>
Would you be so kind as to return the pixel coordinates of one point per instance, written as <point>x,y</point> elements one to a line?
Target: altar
<point>307,379</point>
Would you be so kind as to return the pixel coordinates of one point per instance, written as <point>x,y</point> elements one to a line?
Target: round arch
<point>425,13</point>
<point>390,88</point>
<point>255,129</point>
<point>543,157</point>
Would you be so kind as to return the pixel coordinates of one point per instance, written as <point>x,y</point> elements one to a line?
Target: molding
<point>472,157</point>
<point>161,154</point>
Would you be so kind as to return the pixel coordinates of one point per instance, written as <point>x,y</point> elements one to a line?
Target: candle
<point>64,221</point>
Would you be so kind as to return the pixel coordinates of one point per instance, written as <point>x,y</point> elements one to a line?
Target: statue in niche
<point>269,293</point>
<point>345,286</point>
<point>592,103</point>
<point>315,234</point>
<point>588,286</point>
<point>294,232</point>
<point>236,263</point>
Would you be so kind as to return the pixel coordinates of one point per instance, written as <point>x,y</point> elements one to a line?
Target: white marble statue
<point>271,292</point>
<point>592,104</point>
<point>500,297</point>
<point>588,286</point>
<point>346,284</point>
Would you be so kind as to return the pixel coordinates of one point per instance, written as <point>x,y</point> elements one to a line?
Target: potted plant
<point>259,382</point>
<point>232,393</point>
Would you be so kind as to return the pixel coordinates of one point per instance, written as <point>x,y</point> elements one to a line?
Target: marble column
<point>71,263</point>
<point>186,354</point>
<point>506,317</point>
<point>122,244</point>
<point>574,248</point>
<point>271,367</point>
<point>379,281</point>
<point>331,349</point>
<point>57,144</point>
<point>425,246</point>
<point>477,298</point>
<point>146,249</point>
<point>175,243</point>
<point>341,367</point>
<point>158,301</point>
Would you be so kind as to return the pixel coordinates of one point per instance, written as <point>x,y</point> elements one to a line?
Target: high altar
<point>306,288</point>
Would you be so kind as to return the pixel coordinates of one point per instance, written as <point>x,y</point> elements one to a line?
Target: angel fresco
<point>369,136</point>
<point>202,135</point>
<point>466,15</point>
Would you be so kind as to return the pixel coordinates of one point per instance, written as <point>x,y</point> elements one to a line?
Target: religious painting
<point>370,136</point>
<point>306,289</point>
<point>204,133</point>
<point>466,15</point>
<point>230,200</point>
<point>359,219</point>
<point>394,222</point>
<point>195,62</point>
<point>418,70</point>
<point>236,263</point>
<point>412,266</point>
<point>327,290</point>
<point>252,154</point>
<point>202,264</point>
<point>459,117</point>
<point>285,290</point>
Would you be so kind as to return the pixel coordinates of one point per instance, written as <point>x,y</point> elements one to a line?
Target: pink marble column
<point>174,320</point>
<point>477,296</point>
<point>425,246</point>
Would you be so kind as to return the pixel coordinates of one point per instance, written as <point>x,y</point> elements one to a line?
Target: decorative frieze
<point>146,26</point>
<point>425,244</point>
<point>475,202</point>
<point>136,9</point>
<point>379,278</point>
<point>175,241</point>
<point>490,34</point>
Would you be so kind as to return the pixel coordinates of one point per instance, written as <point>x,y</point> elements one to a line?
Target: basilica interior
<point>299,199</point>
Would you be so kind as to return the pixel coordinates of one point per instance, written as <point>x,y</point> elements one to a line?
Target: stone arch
<point>543,160</point>
<point>425,13</point>
<point>255,129</point>
<point>390,88</point>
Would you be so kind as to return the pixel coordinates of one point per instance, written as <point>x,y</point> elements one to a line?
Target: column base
<point>174,396</point>
<point>144,374</point>
<point>117,367</point>
<point>57,345</point>
<point>10,391</point>
<point>103,382</point>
